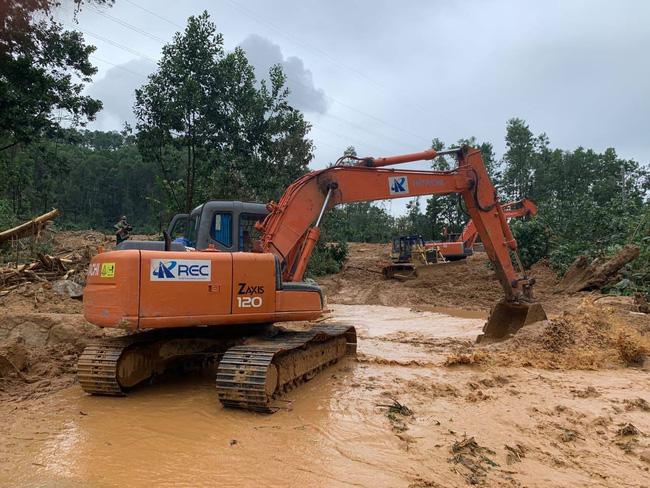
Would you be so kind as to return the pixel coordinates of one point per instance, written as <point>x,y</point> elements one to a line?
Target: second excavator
<point>459,246</point>
<point>217,301</point>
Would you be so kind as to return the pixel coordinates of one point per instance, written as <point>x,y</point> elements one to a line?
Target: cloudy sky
<point>387,76</point>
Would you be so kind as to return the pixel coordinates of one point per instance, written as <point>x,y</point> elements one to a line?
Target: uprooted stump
<point>583,275</point>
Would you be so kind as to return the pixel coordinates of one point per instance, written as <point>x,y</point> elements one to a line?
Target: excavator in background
<point>212,306</point>
<point>405,251</point>
<point>459,246</point>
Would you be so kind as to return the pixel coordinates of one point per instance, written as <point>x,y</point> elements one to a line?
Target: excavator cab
<point>224,225</point>
<point>402,248</point>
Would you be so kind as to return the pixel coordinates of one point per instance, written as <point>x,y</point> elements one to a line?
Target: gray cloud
<point>117,92</point>
<point>576,70</point>
<point>262,54</point>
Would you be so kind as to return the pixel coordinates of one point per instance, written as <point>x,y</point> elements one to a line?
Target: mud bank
<point>529,427</point>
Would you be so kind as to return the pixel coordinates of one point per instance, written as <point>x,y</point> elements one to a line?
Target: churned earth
<point>564,402</point>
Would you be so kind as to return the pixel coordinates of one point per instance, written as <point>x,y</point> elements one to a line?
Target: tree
<point>518,159</point>
<point>39,61</point>
<point>213,129</point>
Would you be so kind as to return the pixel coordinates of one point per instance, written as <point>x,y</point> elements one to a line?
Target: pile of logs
<point>65,266</point>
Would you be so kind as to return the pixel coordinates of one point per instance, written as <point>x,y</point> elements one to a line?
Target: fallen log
<point>33,227</point>
<point>583,275</point>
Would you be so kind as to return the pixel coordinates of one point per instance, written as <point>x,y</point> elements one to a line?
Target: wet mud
<point>563,403</point>
<point>478,425</point>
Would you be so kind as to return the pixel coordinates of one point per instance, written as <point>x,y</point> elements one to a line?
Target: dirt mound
<point>39,297</point>
<point>469,284</point>
<point>591,337</point>
<point>39,351</point>
<point>75,240</point>
<point>42,331</point>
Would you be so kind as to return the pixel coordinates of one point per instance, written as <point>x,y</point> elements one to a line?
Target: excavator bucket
<point>507,318</point>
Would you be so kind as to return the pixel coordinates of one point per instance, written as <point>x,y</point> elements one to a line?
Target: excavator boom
<point>292,227</point>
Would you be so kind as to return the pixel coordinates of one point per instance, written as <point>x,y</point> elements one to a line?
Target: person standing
<point>123,230</point>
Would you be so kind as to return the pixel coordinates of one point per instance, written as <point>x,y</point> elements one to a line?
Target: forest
<point>208,129</point>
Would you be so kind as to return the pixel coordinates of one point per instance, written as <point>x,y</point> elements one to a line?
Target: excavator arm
<point>519,208</point>
<point>292,227</point>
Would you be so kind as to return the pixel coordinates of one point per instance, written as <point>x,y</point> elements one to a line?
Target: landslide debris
<point>584,274</point>
<point>589,337</point>
<point>39,351</point>
<point>473,459</point>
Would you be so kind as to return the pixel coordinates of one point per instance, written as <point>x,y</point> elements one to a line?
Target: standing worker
<point>123,229</point>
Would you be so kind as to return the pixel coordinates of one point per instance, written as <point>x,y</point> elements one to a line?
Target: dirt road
<point>421,406</point>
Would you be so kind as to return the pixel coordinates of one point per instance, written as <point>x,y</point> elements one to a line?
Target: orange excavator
<point>216,307</point>
<point>460,246</point>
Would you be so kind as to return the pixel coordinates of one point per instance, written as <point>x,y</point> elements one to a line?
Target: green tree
<point>213,129</point>
<point>518,159</point>
<point>40,62</point>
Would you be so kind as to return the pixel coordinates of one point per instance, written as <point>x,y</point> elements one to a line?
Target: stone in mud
<point>645,456</point>
<point>15,354</point>
<point>69,288</point>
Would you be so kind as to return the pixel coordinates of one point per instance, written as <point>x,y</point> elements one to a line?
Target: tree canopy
<point>39,61</point>
<point>205,117</point>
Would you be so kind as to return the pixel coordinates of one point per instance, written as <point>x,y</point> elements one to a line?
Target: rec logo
<point>180,270</point>
<point>398,184</point>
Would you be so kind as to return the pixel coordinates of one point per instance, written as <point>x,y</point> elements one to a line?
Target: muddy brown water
<point>333,431</point>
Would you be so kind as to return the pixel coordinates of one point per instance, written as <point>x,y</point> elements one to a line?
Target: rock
<point>69,288</point>
<point>641,303</point>
<point>33,333</point>
<point>617,302</point>
<point>645,456</point>
<point>16,354</point>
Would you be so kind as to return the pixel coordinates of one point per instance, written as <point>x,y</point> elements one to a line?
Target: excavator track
<point>252,376</point>
<point>113,366</point>
<point>98,366</point>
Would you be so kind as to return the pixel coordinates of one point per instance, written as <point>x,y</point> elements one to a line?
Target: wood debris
<point>30,228</point>
<point>62,266</point>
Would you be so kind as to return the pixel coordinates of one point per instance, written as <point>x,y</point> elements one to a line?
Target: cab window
<point>222,228</point>
<point>193,231</point>
<point>247,231</point>
<point>180,229</point>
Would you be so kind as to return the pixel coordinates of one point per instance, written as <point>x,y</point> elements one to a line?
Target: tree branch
<point>8,146</point>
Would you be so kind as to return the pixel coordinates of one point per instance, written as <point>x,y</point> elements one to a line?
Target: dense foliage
<point>213,129</point>
<point>589,203</point>
<point>39,62</point>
